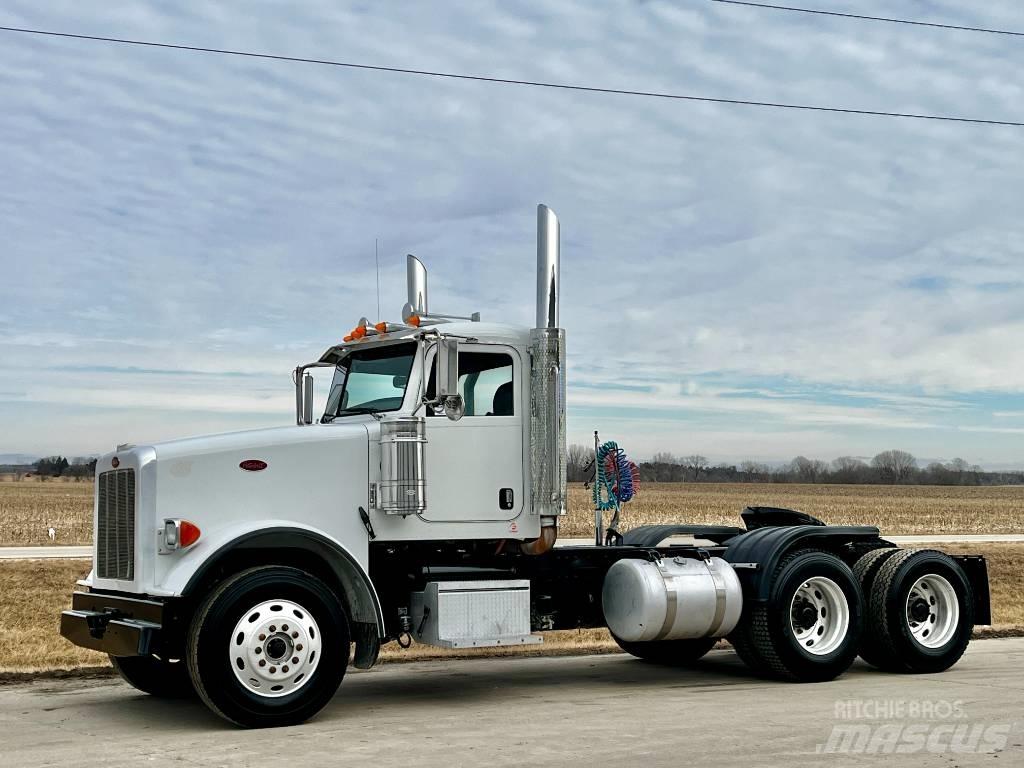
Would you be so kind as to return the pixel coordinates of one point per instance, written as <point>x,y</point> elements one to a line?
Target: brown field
<point>34,592</point>
<point>28,508</point>
<point>900,509</point>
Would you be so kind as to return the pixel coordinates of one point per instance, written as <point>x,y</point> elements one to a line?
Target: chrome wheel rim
<point>275,648</point>
<point>819,616</point>
<point>932,611</point>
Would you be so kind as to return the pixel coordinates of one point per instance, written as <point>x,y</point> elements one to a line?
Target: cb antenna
<point>376,260</point>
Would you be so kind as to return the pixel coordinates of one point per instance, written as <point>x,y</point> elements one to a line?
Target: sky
<point>179,230</point>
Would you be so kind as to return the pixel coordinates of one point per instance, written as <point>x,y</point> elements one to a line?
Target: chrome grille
<point>115,525</point>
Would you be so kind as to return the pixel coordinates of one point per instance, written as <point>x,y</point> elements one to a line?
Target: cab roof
<point>486,333</point>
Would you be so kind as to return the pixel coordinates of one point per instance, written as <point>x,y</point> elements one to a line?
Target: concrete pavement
<point>44,553</point>
<point>588,711</point>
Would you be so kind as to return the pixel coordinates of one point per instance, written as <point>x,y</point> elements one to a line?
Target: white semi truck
<point>252,568</point>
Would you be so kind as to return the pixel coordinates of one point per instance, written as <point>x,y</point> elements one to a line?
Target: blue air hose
<point>616,478</point>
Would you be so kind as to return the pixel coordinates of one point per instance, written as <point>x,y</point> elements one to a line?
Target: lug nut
<point>258,650</point>
<point>263,637</point>
<point>298,647</point>
<point>273,669</point>
<point>272,628</point>
<point>263,662</point>
<point>284,668</point>
<point>294,635</point>
<point>295,660</point>
<point>284,627</point>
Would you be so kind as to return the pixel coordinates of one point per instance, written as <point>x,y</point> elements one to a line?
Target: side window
<point>485,383</point>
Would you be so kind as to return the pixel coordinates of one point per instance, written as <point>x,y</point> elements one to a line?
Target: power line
<point>862,17</point>
<point>510,81</point>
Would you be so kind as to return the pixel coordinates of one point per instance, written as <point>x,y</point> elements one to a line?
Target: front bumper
<point>120,626</point>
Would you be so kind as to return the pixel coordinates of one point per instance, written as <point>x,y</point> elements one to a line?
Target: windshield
<point>370,381</point>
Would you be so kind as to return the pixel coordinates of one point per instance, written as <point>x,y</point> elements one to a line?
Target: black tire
<point>672,653</point>
<point>865,570</point>
<point>765,637</point>
<point>157,677</point>
<point>210,638</point>
<point>893,647</point>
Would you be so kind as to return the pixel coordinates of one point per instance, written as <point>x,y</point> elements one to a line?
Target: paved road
<point>35,553</point>
<point>581,711</point>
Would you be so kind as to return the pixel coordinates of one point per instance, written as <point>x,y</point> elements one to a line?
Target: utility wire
<point>510,81</point>
<point>773,7</point>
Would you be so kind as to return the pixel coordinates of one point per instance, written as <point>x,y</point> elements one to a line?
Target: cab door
<point>475,464</point>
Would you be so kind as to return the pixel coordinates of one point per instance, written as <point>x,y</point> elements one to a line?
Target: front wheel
<point>163,678</point>
<point>269,647</point>
<point>673,653</point>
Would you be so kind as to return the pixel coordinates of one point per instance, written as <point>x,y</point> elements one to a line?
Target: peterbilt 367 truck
<point>252,568</point>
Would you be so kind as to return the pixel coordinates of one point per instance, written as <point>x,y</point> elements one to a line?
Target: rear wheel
<point>166,679</point>
<point>269,647</point>
<point>865,570</point>
<point>920,613</point>
<point>808,629</point>
<point>676,653</point>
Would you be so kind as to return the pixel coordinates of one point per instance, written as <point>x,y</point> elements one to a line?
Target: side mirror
<point>303,396</point>
<point>446,386</point>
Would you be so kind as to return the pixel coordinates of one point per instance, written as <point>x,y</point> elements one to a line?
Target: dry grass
<point>895,509</point>
<point>34,592</point>
<point>29,508</point>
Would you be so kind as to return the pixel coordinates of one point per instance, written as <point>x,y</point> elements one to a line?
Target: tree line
<point>80,467</point>
<point>892,467</point>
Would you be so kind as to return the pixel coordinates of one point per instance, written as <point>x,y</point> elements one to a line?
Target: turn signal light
<point>358,332</point>
<point>381,327</point>
<point>188,533</point>
<point>414,321</point>
<point>179,534</point>
<point>347,338</point>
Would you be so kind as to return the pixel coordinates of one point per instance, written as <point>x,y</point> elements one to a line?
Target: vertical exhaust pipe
<point>548,267</point>
<point>547,390</point>
<point>416,285</point>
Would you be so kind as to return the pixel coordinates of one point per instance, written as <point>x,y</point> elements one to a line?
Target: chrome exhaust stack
<point>548,267</point>
<point>547,390</point>
<point>416,285</point>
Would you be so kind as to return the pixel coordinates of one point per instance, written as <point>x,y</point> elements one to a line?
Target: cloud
<point>172,211</point>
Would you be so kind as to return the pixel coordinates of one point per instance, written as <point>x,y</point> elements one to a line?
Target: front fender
<point>186,571</point>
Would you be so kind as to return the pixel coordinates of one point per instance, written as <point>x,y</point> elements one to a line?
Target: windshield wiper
<point>355,411</point>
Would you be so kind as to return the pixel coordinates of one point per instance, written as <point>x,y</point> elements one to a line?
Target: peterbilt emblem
<point>115,462</point>
<point>253,465</point>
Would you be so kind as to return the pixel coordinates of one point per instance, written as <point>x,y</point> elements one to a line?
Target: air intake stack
<point>547,407</point>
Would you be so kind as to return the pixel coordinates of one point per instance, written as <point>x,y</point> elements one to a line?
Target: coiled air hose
<point>617,479</point>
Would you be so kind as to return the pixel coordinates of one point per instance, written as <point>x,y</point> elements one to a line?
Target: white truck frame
<point>245,567</point>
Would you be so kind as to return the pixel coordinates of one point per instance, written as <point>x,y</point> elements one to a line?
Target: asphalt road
<point>55,551</point>
<point>588,711</point>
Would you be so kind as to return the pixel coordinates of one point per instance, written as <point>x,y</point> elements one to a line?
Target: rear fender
<point>757,553</point>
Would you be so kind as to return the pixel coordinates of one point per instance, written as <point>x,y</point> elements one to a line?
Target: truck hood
<point>251,439</point>
<point>312,477</point>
